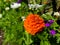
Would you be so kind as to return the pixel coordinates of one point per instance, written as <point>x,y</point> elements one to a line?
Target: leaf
<point>41,43</point>
<point>54,25</point>
<point>58,40</point>
<point>46,43</point>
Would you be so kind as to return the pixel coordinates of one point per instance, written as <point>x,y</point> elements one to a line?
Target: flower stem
<point>28,39</point>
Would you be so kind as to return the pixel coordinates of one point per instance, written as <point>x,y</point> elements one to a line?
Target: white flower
<point>56,14</point>
<point>31,6</point>
<point>7,8</point>
<point>0,15</point>
<point>36,6</point>
<point>23,18</point>
<point>15,5</point>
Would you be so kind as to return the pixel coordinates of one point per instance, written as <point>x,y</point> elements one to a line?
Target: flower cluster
<point>34,23</point>
<point>34,6</point>
<point>49,23</point>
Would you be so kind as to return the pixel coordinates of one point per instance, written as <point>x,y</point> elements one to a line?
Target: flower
<point>36,6</point>
<point>31,6</point>
<point>52,32</point>
<point>33,24</point>
<point>7,8</point>
<point>15,5</point>
<point>56,14</point>
<point>23,18</point>
<point>47,24</point>
<point>19,1</point>
<point>51,21</point>
<point>0,15</point>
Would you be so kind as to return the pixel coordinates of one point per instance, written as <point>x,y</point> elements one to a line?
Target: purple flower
<point>51,21</point>
<point>19,1</point>
<point>52,32</point>
<point>47,24</point>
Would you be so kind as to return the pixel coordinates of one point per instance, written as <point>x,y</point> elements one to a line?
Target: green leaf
<point>58,40</point>
<point>46,43</point>
<point>41,43</point>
